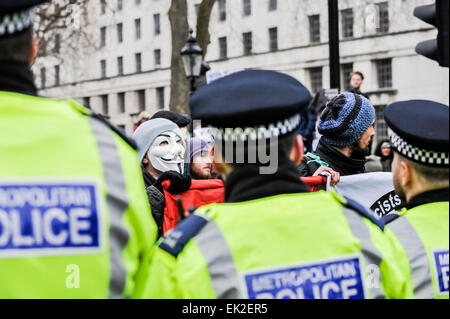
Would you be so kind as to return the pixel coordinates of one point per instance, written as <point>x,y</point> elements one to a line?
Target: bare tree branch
<point>179,86</point>
<point>204,15</point>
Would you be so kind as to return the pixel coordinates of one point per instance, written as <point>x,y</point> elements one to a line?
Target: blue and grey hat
<point>345,119</point>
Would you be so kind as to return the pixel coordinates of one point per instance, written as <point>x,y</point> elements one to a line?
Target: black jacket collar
<point>338,161</point>
<point>17,77</point>
<point>440,195</point>
<point>149,180</point>
<point>246,183</point>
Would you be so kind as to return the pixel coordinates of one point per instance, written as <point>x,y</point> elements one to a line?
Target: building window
<point>103,6</point>
<point>384,73</point>
<point>157,22</point>
<point>315,78</point>
<point>273,38</point>
<point>347,23</point>
<point>103,36</point>
<point>138,58</point>
<point>381,129</point>
<point>57,47</point>
<point>160,97</point>
<point>223,47</point>
<point>222,10</point>
<point>272,5</point>
<point>57,82</point>
<point>120,32</point>
<point>384,17</point>
<point>43,77</point>
<point>121,100</point>
<point>137,27</point>
<point>87,102</point>
<point>314,28</point>
<point>141,99</point>
<point>105,105</point>
<point>247,7</point>
<point>137,2</point>
<point>120,65</point>
<point>119,5</point>
<point>346,70</point>
<point>103,68</point>
<point>157,55</point>
<point>247,39</point>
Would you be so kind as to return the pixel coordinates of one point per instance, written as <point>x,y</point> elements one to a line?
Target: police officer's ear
<point>297,150</point>
<point>406,174</point>
<point>34,49</point>
<point>218,164</point>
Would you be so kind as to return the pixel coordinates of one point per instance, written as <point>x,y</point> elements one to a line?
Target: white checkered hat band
<point>262,132</point>
<point>419,155</point>
<point>15,22</point>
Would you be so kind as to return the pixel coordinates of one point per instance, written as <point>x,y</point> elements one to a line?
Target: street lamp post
<point>333,31</point>
<point>192,56</point>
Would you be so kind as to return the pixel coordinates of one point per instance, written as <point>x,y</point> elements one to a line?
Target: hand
<point>179,183</point>
<point>335,176</point>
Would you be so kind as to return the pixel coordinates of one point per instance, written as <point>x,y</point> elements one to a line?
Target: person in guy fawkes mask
<point>161,154</point>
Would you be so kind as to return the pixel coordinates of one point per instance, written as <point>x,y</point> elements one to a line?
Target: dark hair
<point>378,149</point>
<point>16,47</point>
<point>357,72</point>
<point>179,119</point>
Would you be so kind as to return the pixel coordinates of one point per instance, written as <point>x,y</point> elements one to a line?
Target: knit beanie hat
<point>196,145</point>
<point>146,133</point>
<point>345,119</point>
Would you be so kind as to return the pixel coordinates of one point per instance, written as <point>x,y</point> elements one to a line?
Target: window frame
<point>120,32</point>
<point>138,62</point>
<point>222,7</point>
<point>272,47</point>
<point>120,69</point>
<point>383,11</point>
<point>157,24</point>
<point>247,38</point>
<point>347,15</point>
<point>138,28</point>
<point>273,5</point>
<point>314,28</point>
<point>121,102</point>
<point>223,48</point>
<point>383,66</point>
<point>313,81</point>
<point>246,8</point>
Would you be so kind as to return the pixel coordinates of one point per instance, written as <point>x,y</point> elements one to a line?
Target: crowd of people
<point>78,194</point>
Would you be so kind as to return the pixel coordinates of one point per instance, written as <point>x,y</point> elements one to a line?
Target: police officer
<point>271,238</point>
<point>420,171</point>
<point>74,218</point>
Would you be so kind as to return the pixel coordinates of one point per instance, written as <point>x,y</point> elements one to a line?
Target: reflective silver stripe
<point>370,253</point>
<point>417,255</point>
<point>217,254</point>
<point>117,202</point>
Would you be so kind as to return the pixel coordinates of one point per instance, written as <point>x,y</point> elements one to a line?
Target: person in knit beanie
<point>200,164</point>
<point>347,128</point>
